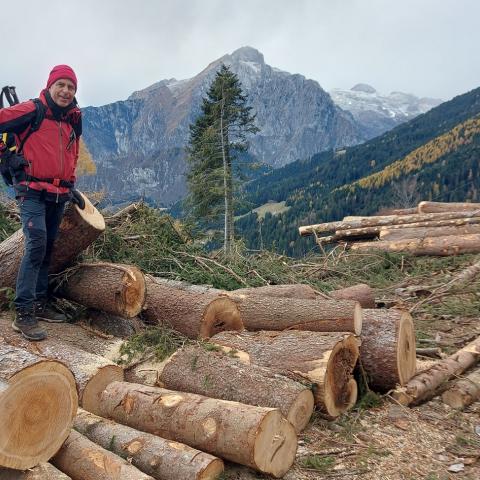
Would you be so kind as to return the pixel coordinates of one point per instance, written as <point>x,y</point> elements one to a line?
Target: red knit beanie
<point>61,71</point>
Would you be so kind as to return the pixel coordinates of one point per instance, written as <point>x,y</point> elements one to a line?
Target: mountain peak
<point>248,54</point>
<point>363,87</point>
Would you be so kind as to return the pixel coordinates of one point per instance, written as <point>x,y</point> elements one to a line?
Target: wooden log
<point>270,313</point>
<point>38,401</point>
<point>113,288</point>
<point>362,293</point>
<point>381,221</point>
<point>162,459</point>
<point>428,383</point>
<point>82,459</point>
<point>217,374</point>
<point>324,359</point>
<point>92,373</point>
<point>436,246</point>
<point>445,207</point>
<point>258,437</point>
<point>464,392</point>
<point>296,290</point>
<point>425,232</point>
<point>192,314</point>
<point>401,211</point>
<point>79,228</point>
<point>44,471</point>
<point>188,287</point>
<point>387,352</point>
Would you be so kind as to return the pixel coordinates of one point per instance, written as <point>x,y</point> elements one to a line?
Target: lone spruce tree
<point>216,138</point>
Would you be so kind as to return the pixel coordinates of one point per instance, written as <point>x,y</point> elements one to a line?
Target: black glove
<point>78,199</point>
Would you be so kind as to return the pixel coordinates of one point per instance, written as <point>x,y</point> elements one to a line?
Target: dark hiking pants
<point>40,222</point>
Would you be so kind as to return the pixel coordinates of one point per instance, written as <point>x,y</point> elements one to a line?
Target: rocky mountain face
<point>138,144</point>
<point>378,113</point>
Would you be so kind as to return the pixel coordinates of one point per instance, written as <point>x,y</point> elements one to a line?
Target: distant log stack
<point>432,228</point>
<point>387,352</point>
<point>258,437</point>
<point>79,229</point>
<point>112,288</point>
<point>38,401</point>
<point>324,359</point>
<point>195,315</point>
<point>216,374</point>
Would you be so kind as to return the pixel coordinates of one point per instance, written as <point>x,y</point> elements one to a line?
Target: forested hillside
<point>433,157</point>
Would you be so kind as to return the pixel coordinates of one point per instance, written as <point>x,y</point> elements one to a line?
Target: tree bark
<point>387,352</point>
<point>160,458</point>
<point>324,359</point>
<point>428,383</point>
<point>258,437</point>
<point>270,313</point>
<point>192,314</point>
<point>188,287</point>
<point>217,374</point>
<point>44,471</point>
<point>426,232</point>
<point>381,221</point>
<point>295,290</point>
<point>92,373</point>
<point>436,246</point>
<point>79,228</point>
<point>112,288</point>
<point>38,401</point>
<point>81,458</point>
<point>464,392</point>
<point>445,207</point>
<point>361,293</point>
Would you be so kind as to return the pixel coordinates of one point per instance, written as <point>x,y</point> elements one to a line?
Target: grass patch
<point>321,463</point>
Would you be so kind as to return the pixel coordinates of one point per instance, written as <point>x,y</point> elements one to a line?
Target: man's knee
<point>36,246</point>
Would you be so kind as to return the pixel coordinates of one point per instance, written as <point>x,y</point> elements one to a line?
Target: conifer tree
<point>216,138</point>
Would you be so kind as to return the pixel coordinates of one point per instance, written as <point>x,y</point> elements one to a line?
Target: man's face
<point>62,92</point>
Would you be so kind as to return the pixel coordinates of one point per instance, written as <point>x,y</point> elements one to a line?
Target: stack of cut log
<point>432,228</point>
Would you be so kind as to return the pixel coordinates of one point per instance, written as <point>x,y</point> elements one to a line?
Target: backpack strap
<point>35,124</point>
<point>10,94</point>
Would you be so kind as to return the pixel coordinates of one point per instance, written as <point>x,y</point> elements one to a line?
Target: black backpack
<point>12,162</point>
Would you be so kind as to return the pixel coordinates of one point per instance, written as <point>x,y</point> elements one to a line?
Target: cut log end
<point>94,388</point>
<point>133,296</point>
<point>213,471</point>
<point>406,355</point>
<point>275,445</point>
<point>91,215</point>
<point>39,398</point>
<point>357,319</point>
<point>340,387</point>
<point>301,410</point>
<point>220,315</point>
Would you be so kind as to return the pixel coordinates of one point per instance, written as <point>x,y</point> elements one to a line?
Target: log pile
<point>432,228</point>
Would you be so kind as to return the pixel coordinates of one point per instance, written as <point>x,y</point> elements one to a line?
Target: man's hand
<point>77,199</point>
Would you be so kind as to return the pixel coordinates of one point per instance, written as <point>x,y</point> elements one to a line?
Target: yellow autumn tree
<point>85,165</point>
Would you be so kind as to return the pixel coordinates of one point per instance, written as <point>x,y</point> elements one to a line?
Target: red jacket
<point>52,150</point>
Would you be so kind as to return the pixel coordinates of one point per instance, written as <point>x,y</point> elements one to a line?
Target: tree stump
<point>160,458</point>
<point>387,352</point>
<point>38,401</point>
<point>258,437</point>
<point>217,374</point>
<point>326,360</point>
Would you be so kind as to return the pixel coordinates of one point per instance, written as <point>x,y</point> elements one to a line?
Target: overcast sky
<point>426,47</point>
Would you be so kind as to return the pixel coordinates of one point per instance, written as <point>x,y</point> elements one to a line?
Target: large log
<point>92,373</point>
<point>445,207</point>
<point>428,383</point>
<point>258,437</point>
<point>464,392</point>
<point>295,290</point>
<point>272,313</point>
<point>217,374</point>
<point>82,459</point>
<point>387,352</point>
<point>381,221</point>
<point>427,232</point>
<point>326,360</point>
<point>436,246</point>
<point>192,314</point>
<point>112,288</point>
<point>44,471</point>
<point>38,401</point>
<point>79,228</point>
<point>160,458</point>
<point>362,293</point>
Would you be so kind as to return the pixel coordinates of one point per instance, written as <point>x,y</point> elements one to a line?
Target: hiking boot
<point>44,312</point>
<point>26,323</point>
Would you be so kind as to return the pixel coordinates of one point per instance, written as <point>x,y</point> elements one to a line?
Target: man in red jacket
<point>43,184</point>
